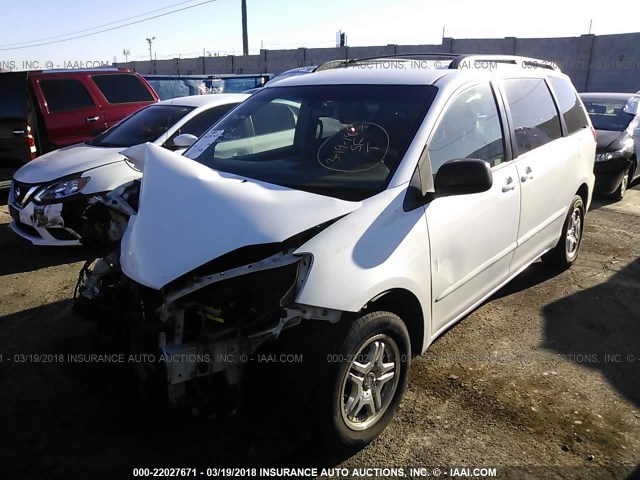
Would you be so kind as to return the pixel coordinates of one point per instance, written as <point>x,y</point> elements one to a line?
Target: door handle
<point>93,119</point>
<point>510,185</point>
<point>528,175</point>
<point>18,132</point>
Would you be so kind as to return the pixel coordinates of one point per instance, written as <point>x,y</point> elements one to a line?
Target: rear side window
<point>65,94</point>
<point>122,88</point>
<point>574,117</point>
<point>470,128</point>
<point>534,114</point>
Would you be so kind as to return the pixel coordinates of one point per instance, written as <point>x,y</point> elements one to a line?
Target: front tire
<point>566,251</point>
<point>367,376</point>
<point>622,188</point>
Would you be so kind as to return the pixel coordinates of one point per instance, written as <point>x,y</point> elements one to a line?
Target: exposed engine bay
<point>200,329</point>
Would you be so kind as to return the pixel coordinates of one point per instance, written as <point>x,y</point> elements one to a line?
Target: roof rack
<point>475,61</point>
<point>458,61</point>
<point>331,64</point>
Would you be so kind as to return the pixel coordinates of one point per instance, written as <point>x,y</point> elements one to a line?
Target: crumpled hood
<point>190,214</point>
<point>610,141</point>
<point>67,161</point>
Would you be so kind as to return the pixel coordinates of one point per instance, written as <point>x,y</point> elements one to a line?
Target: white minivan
<point>381,203</point>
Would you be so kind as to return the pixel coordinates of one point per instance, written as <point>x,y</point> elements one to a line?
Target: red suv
<point>45,110</point>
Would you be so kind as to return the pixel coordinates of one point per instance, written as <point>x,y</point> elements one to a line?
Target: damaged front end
<point>212,324</point>
<point>101,292</point>
<point>194,337</point>
<point>199,270</point>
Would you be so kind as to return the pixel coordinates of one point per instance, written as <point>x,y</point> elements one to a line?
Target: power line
<point>97,26</point>
<point>109,29</point>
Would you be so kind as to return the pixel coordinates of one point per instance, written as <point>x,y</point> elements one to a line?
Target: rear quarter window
<point>574,116</point>
<point>65,94</point>
<point>533,112</point>
<point>122,88</point>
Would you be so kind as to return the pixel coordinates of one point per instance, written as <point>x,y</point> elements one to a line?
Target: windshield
<point>145,125</point>
<point>343,141</point>
<point>608,114</point>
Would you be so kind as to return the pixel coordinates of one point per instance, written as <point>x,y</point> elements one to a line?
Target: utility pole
<point>150,41</point>
<point>245,36</point>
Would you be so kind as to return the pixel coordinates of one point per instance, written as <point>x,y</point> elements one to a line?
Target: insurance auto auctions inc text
<point>19,65</point>
<point>375,472</point>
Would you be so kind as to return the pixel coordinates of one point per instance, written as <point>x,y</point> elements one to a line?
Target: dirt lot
<point>540,382</point>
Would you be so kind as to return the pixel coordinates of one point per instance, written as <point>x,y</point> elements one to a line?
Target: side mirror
<point>184,140</point>
<point>463,176</point>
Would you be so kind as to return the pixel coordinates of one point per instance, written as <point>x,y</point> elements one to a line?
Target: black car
<point>614,116</point>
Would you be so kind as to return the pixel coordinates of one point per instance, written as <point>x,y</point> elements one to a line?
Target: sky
<point>215,27</point>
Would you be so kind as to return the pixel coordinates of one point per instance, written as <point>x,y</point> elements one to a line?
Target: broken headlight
<point>61,189</point>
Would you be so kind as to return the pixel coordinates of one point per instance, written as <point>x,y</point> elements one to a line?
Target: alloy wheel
<point>370,382</point>
<point>574,232</point>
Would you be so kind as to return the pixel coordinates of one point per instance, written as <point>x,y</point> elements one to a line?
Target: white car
<point>382,203</point>
<point>49,194</point>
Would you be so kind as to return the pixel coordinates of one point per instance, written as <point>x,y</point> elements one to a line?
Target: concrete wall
<point>594,63</point>
<point>615,60</point>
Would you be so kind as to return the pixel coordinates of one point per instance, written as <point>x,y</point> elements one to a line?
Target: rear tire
<point>566,251</point>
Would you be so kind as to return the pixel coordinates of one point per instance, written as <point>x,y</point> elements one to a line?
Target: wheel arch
<point>406,305</point>
<point>583,193</point>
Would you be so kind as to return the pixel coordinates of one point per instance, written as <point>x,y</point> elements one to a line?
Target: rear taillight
<point>33,151</point>
<point>595,136</point>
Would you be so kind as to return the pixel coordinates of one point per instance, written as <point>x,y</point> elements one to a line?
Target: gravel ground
<point>542,381</point>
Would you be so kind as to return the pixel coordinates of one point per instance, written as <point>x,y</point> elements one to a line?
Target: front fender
<point>375,249</point>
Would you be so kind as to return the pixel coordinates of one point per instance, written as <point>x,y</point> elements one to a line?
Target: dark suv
<point>41,111</point>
